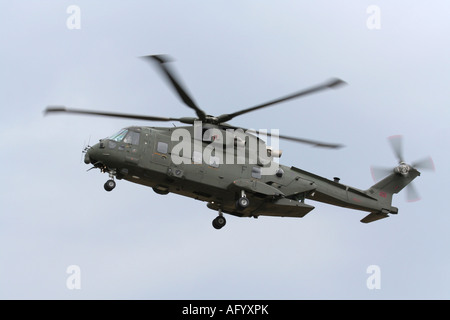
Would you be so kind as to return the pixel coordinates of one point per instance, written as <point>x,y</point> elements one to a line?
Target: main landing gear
<point>219,222</point>
<point>243,201</point>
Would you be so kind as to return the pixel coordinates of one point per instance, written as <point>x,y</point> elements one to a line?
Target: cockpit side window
<point>119,135</point>
<point>132,137</point>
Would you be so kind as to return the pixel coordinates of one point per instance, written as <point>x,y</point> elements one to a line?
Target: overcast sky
<point>134,244</point>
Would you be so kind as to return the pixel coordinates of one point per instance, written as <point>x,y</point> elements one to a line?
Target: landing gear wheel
<point>109,185</point>
<point>242,203</point>
<point>219,222</point>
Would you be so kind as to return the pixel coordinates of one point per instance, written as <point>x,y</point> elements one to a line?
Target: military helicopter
<point>232,168</point>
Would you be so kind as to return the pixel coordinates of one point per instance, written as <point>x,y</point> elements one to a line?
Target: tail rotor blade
<point>424,164</point>
<point>411,193</point>
<point>379,173</point>
<point>397,146</point>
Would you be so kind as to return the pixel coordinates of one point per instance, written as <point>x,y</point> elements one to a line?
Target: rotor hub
<point>402,168</point>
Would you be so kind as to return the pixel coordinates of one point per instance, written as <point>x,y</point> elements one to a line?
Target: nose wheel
<point>220,221</point>
<point>109,185</point>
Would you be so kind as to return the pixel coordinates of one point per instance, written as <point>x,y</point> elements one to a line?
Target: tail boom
<point>377,199</point>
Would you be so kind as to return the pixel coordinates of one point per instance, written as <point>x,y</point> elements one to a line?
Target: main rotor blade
<point>176,83</point>
<point>314,143</point>
<point>62,109</point>
<point>332,83</point>
<point>397,146</point>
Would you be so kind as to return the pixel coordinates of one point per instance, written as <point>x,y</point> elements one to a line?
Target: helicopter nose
<point>96,154</point>
<point>92,154</point>
<point>87,159</point>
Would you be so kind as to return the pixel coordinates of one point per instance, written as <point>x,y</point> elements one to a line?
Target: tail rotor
<point>403,169</point>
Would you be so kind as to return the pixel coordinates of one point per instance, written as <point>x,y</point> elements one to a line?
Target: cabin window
<point>132,137</point>
<point>256,172</point>
<point>162,147</point>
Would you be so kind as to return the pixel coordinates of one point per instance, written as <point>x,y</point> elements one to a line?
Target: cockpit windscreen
<point>127,136</point>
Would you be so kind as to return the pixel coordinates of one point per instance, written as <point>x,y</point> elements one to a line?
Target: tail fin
<point>385,189</point>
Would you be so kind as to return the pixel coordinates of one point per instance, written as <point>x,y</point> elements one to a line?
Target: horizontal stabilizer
<point>374,216</point>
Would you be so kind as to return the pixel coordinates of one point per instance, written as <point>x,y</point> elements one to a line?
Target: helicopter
<point>232,168</point>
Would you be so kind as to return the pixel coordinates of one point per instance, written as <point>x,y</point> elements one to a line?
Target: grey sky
<point>134,244</point>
